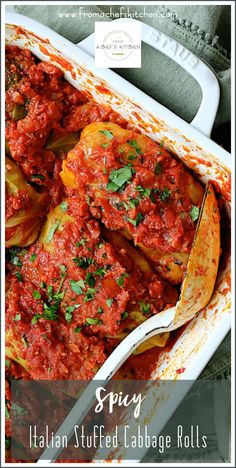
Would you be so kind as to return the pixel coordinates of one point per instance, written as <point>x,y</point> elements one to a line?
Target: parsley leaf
<point>194,213</point>
<point>145,307</point>
<point>100,272</point>
<point>124,315</point>
<point>158,168</point>
<point>164,195</point>
<point>89,296</point>
<point>24,341</point>
<point>7,414</point>
<point>120,281</point>
<point>119,177</point>
<point>69,312</point>
<point>37,176</point>
<point>77,286</point>
<point>17,317</point>
<point>7,363</point>
<point>36,294</point>
<point>144,192</point>
<point>64,206</point>
<point>81,242</point>
<point>135,145</point>
<point>52,230</point>
<point>16,261</point>
<point>83,262</point>
<point>93,321</point>
<point>90,280</point>
<point>77,329</point>
<point>33,257</point>
<point>137,220</point>
<point>107,133</point>
<point>109,302</point>
<point>7,443</point>
<point>19,276</point>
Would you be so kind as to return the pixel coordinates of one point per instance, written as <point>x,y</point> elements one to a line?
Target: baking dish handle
<point>205,117</point>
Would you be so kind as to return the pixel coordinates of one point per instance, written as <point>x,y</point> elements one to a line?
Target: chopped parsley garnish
<point>19,276</point>
<point>52,230</point>
<point>17,317</point>
<point>133,202</point>
<point>69,312</point>
<point>37,176</point>
<point>137,220</point>
<point>35,318</point>
<point>161,144</point>
<point>194,213</point>
<point>93,321</point>
<point>124,315</point>
<point>90,280</point>
<point>120,281</point>
<point>89,296</point>
<point>119,177</point>
<point>105,145</point>
<point>16,261</point>
<point>7,414</point>
<point>158,168</point>
<point>164,195</point>
<point>33,257</point>
<point>144,192</point>
<point>7,443</point>
<point>109,302</point>
<point>77,329</point>
<point>53,302</point>
<point>77,286</point>
<point>135,145</point>
<point>107,133</point>
<point>36,294</point>
<point>12,255</point>
<point>100,272</point>
<point>100,310</point>
<point>132,157</point>
<point>49,292</point>
<point>50,311</point>
<point>64,206</point>
<point>83,262</point>
<point>145,307</point>
<point>7,363</point>
<point>24,341</point>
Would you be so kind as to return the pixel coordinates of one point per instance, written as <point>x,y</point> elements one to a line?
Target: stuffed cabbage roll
<point>25,208</point>
<point>133,185</point>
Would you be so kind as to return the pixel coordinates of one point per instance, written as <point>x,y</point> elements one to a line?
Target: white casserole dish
<point>201,338</point>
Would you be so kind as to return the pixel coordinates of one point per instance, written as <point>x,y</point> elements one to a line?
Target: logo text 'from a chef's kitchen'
<point>118,45</point>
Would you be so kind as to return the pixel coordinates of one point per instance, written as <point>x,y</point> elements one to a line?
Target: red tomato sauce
<point>154,206</point>
<point>48,320</point>
<point>62,309</point>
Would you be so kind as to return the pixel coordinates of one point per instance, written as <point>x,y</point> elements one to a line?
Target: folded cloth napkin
<point>204,29</point>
